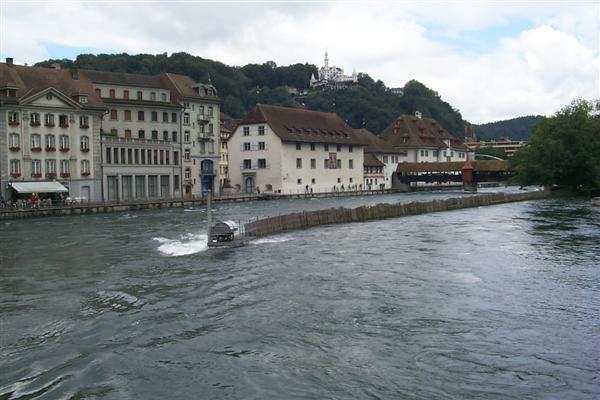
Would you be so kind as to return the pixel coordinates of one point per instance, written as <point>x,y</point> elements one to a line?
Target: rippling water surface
<point>490,303</point>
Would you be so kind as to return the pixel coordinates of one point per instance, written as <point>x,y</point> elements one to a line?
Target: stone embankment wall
<point>282,223</point>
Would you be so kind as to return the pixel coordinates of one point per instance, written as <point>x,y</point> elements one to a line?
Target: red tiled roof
<point>371,161</point>
<point>301,125</point>
<point>410,131</point>
<point>31,80</point>
<point>182,86</point>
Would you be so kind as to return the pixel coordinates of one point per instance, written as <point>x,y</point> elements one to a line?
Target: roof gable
<point>49,97</point>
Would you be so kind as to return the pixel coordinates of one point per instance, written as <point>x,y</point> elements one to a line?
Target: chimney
<point>9,61</point>
<point>74,73</point>
<point>55,65</point>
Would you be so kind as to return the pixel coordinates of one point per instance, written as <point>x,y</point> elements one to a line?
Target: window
<point>127,133</point>
<point>176,182</point>
<point>299,181</point>
<point>201,110</point>
<point>36,142</point>
<point>246,131</point>
<point>165,117</point>
<point>65,168</point>
<point>140,95</point>
<point>210,129</point>
<point>247,164</point>
<point>451,154</point>
<point>98,92</point>
<point>84,121</point>
<point>210,111</point>
<point>63,121</point>
<point>313,163</point>
<point>167,157</point>
<point>141,134</point>
<point>426,153</point>
<point>163,96</point>
<point>64,143</point>
<point>49,119</point>
<point>313,181</point>
<point>188,173</point>
<point>298,163</point>
<point>129,156</point>
<point>326,163</point>
<point>35,119</point>
<point>186,119</point>
<point>176,157</point>
<point>154,116</point>
<point>339,163</point>
<point>351,164</point>
<point>113,115</point>
<point>126,94</point>
<point>173,117</point>
<point>50,167</point>
<point>50,143</point>
<point>15,167</point>
<point>165,135</point>
<point>262,146</point>
<point>339,180</point>
<point>312,147</point>
<point>261,130</point>
<point>422,153</point>
<point>152,96</point>
<point>136,156</point>
<point>140,116</point>
<point>326,147</point>
<point>85,167</point>
<point>111,93</point>
<point>350,148</point>
<point>298,146</point>
<point>339,148</point>
<point>14,142</point>
<point>262,163</point>
<point>186,136</point>
<point>350,180</point>
<point>36,168</point>
<point>13,118</point>
<point>246,146</point>
<point>186,155</point>
<point>154,135</point>
<point>436,153</point>
<point>174,136</point>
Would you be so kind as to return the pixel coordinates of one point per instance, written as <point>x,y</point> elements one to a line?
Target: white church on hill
<point>332,77</point>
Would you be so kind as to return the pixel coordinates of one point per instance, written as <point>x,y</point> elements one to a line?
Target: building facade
<point>50,122</point>
<point>287,150</point>
<point>140,137</point>
<point>200,134</point>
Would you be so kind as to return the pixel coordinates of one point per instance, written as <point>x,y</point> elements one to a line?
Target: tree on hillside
<point>564,150</point>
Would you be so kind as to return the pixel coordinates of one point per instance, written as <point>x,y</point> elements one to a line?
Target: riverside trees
<point>564,150</point>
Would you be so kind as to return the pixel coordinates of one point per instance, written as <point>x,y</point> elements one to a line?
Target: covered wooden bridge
<point>445,172</point>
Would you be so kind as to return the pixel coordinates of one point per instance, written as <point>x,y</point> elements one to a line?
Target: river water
<point>496,302</point>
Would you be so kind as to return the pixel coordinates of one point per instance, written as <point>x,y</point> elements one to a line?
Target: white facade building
<point>288,150</point>
<point>49,131</point>
<point>332,77</point>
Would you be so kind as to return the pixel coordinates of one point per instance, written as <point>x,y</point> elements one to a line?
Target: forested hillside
<point>519,128</point>
<point>371,104</point>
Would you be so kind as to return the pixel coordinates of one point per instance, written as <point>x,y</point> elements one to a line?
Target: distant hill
<point>516,129</point>
<point>370,105</point>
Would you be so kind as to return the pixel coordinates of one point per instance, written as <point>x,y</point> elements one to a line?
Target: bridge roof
<point>480,165</point>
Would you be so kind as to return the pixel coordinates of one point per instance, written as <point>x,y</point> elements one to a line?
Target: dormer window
<point>152,96</point>
<point>83,98</point>
<point>9,92</point>
<point>163,96</point>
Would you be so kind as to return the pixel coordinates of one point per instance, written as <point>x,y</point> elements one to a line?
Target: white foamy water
<point>271,240</point>
<point>187,244</point>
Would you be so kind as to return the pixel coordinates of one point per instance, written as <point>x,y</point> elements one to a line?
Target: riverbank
<point>112,207</point>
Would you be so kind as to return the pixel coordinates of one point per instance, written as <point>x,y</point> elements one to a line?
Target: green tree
<point>564,150</point>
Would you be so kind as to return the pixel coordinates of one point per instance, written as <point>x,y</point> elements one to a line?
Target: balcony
<point>254,166</point>
<point>255,147</point>
<point>203,119</point>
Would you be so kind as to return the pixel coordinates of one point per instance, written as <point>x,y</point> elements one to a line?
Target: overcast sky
<point>492,60</point>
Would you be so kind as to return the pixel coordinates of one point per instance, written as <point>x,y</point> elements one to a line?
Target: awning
<point>38,187</point>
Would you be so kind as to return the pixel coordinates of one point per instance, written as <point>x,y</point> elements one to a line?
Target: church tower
<point>326,61</point>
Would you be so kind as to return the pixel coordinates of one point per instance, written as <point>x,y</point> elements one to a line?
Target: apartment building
<point>50,121</point>
<point>418,139</point>
<point>290,150</point>
<point>200,123</point>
